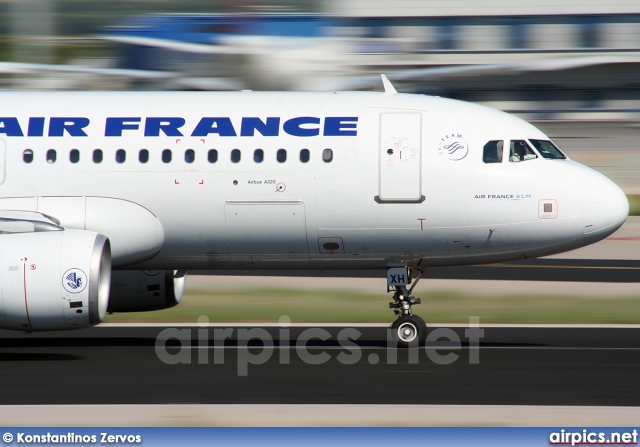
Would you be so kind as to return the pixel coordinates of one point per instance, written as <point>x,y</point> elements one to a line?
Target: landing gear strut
<point>407,329</point>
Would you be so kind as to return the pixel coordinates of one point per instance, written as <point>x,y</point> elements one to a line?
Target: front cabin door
<point>400,155</point>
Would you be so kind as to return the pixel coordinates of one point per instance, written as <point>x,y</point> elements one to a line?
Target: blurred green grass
<point>634,204</point>
<point>340,306</point>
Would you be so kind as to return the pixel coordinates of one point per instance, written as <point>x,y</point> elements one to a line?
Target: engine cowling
<point>54,280</point>
<point>145,290</point>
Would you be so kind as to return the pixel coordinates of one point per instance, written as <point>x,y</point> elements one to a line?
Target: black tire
<point>409,331</point>
<point>421,319</point>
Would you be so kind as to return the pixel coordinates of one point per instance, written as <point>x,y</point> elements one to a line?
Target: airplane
<point>298,52</point>
<point>107,199</point>
<point>266,52</point>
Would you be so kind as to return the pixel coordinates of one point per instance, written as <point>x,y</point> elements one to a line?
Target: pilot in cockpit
<point>520,151</point>
<point>517,153</point>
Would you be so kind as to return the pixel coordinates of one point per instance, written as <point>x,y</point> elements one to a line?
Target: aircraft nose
<point>605,208</point>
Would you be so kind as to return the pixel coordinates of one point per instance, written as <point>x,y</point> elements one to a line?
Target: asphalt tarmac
<point>353,365</point>
<point>542,269</point>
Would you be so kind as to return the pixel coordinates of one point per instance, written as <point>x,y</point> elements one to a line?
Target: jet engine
<point>145,290</point>
<point>53,280</point>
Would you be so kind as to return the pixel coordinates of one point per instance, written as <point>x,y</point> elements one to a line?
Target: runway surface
<point>515,366</point>
<point>573,270</point>
<point>543,269</point>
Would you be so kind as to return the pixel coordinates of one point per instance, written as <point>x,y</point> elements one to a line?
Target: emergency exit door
<point>400,149</point>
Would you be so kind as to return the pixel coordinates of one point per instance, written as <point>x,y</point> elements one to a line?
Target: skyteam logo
<point>453,147</point>
<point>74,280</point>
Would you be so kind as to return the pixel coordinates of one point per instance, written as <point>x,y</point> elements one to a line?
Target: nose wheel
<point>408,329</point>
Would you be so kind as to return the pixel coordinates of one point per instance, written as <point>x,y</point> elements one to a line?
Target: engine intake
<point>54,280</point>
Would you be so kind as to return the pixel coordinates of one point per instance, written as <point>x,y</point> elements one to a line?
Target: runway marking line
<point>371,325</point>
<point>435,347</point>
<point>558,267</point>
<point>632,238</point>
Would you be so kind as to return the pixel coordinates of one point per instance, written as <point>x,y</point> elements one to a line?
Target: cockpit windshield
<point>548,150</point>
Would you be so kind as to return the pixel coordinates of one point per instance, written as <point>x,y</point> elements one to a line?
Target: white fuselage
<point>431,200</point>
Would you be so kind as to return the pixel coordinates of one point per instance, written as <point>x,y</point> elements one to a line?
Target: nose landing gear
<point>407,329</point>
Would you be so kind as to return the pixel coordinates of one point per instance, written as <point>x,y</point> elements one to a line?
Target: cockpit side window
<point>521,151</point>
<point>493,151</point>
<point>548,150</point>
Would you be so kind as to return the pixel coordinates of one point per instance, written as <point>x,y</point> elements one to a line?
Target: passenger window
<point>520,151</point>
<point>304,155</point>
<point>27,156</point>
<point>212,156</point>
<point>189,156</point>
<point>97,156</point>
<point>235,155</point>
<point>166,156</point>
<point>143,156</point>
<point>327,155</point>
<point>493,152</point>
<point>74,156</point>
<point>51,156</point>
<point>121,156</point>
<point>258,155</point>
<point>281,155</point>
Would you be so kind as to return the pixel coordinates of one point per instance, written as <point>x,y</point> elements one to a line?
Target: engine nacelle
<point>145,290</point>
<point>54,280</point>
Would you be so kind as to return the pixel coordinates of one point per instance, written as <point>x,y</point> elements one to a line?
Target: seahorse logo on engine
<point>74,280</point>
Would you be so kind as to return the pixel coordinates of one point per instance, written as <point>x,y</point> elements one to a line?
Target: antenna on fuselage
<point>389,89</point>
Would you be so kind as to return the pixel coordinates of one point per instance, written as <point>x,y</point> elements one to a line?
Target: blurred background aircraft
<point>320,52</point>
<point>538,60</point>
